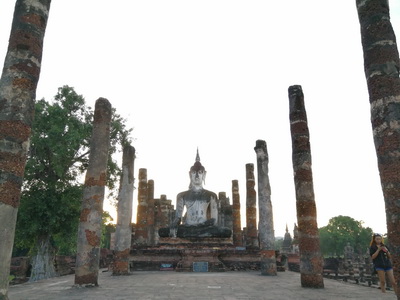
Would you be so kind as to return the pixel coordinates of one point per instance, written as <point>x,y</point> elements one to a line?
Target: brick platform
<point>194,286</point>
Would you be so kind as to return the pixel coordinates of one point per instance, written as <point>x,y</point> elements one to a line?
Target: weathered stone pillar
<point>18,84</point>
<point>311,262</point>
<point>123,233</point>
<point>265,216</point>
<point>225,211</point>
<point>157,221</point>
<point>237,225</point>
<point>141,233</point>
<point>221,207</point>
<point>150,212</point>
<point>251,208</point>
<point>166,211</point>
<point>381,66</point>
<point>89,231</point>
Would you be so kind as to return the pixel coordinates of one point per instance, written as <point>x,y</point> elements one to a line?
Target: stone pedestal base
<point>190,256</point>
<point>214,255</point>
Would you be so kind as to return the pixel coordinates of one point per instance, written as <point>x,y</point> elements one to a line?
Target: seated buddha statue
<point>201,210</point>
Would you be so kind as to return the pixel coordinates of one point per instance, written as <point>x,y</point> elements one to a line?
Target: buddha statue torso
<point>201,206</point>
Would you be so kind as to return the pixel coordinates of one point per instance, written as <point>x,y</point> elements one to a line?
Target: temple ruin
<point>209,236</point>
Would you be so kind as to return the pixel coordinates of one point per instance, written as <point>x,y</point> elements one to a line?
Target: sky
<point>214,75</point>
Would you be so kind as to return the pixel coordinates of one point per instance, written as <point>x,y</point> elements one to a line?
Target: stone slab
<point>200,266</point>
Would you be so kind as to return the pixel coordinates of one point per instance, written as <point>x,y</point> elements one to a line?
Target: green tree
<point>107,228</point>
<point>340,231</point>
<point>50,204</point>
<point>278,243</point>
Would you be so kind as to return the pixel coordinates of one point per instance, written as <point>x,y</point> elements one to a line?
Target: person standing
<point>381,259</point>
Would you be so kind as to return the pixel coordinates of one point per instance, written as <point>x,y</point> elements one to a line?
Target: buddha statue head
<point>197,174</point>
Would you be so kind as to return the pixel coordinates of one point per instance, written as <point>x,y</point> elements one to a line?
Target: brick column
<point>123,233</point>
<point>150,212</point>
<point>237,227</point>
<point>381,66</point>
<point>89,231</point>
<point>251,209</point>
<point>141,233</point>
<point>311,262</point>
<point>265,216</point>
<point>19,79</point>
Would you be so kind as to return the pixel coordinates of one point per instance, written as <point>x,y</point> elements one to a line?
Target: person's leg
<point>381,276</point>
<point>392,280</point>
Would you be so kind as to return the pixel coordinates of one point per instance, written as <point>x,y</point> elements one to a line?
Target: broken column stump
<point>266,221</point>
<point>123,233</point>
<point>89,231</point>
<point>311,262</point>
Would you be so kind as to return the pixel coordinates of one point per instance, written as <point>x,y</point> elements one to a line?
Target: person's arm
<point>376,253</point>
<point>388,252</point>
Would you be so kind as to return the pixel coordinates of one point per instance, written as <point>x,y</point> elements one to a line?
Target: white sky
<point>214,75</point>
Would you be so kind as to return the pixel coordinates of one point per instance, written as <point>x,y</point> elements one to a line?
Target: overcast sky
<point>215,75</point>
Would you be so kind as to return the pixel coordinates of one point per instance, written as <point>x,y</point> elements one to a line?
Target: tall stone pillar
<point>19,79</point>
<point>123,233</point>
<point>251,208</point>
<point>141,233</point>
<point>311,262</point>
<point>237,227</point>
<point>89,231</point>
<point>150,212</point>
<point>381,66</point>
<point>265,216</point>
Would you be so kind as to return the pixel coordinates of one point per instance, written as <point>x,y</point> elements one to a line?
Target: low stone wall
<point>359,271</point>
<point>20,268</point>
<point>64,265</point>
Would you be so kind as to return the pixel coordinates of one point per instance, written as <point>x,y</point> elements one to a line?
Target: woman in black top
<point>381,258</point>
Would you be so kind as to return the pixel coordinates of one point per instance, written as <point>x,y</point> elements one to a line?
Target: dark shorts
<point>384,269</point>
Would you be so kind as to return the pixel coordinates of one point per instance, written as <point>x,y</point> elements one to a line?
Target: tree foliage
<point>340,231</point>
<point>58,158</point>
<point>106,230</point>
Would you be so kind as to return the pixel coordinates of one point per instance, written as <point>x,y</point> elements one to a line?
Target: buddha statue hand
<point>175,223</point>
<point>209,222</point>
